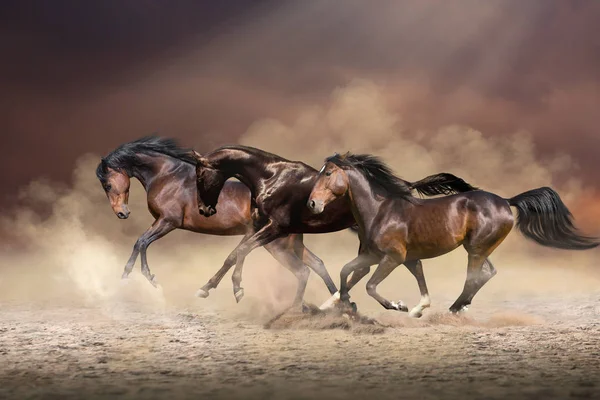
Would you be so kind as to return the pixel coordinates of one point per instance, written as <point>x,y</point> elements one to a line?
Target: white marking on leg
<point>417,311</point>
<point>330,302</point>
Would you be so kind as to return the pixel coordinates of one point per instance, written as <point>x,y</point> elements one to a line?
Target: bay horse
<point>396,228</point>
<point>280,189</point>
<point>167,173</point>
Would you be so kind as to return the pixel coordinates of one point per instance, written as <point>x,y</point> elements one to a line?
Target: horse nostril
<point>201,211</point>
<point>311,204</point>
<point>121,215</point>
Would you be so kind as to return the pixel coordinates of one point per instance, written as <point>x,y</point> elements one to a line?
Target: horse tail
<point>443,183</point>
<point>544,218</point>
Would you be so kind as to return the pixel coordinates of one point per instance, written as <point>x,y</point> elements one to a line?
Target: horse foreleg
<point>317,265</point>
<point>159,228</point>
<point>360,263</point>
<point>265,235</point>
<point>236,277</point>
<point>416,268</point>
<point>385,267</point>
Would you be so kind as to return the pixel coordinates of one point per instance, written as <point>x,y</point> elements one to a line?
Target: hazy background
<point>502,93</point>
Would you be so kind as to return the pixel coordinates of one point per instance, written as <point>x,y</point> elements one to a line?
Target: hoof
<point>457,311</point>
<point>239,294</point>
<point>400,306</point>
<point>346,307</point>
<point>125,275</point>
<point>415,313</point>
<point>202,293</point>
<point>153,281</point>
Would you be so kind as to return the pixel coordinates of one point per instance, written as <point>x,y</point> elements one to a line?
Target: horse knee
<point>371,289</point>
<point>303,273</point>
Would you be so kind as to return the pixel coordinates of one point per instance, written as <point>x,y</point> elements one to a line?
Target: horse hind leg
<point>289,258</point>
<point>416,268</point>
<point>479,270</point>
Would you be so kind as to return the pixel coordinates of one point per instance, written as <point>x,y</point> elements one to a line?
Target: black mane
<point>376,171</point>
<point>125,157</point>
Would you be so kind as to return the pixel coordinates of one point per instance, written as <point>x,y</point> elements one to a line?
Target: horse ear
<point>103,164</point>
<point>345,155</point>
<point>199,158</point>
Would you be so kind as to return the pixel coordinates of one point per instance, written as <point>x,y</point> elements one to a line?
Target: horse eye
<point>328,173</point>
<point>107,188</point>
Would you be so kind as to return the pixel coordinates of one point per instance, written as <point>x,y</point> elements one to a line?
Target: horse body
<point>170,188</point>
<point>168,175</point>
<point>281,189</point>
<point>433,227</point>
<point>396,228</point>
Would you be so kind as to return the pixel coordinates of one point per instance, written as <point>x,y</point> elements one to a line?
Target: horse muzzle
<point>207,211</point>
<point>315,206</point>
<point>123,213</point>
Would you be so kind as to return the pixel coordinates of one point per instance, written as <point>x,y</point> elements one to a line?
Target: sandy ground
<point>531,348</point>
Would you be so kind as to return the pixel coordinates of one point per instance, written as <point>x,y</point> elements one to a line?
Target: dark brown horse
<point>396,228</point>
<point>167,173</point>
<point>280,189</point>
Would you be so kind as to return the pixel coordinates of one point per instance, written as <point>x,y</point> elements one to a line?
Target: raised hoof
<point>125,275</point>
<point>239,294</point>
<point>400,306</point>
<point>202,293</point>
<point>153,281</point>
<point>415,313</point>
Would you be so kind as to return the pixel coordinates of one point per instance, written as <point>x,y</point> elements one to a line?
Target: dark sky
<point>85,76</point>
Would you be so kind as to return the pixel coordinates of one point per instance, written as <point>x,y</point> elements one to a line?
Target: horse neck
<point>363,203</point>
<point>247,167</point>
<point>153,166</point>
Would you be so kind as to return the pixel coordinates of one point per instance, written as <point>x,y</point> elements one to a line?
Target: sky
<point>83,77</point>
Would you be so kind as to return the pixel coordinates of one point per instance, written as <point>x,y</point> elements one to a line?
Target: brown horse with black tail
<point>396,228</point>
<point>280,189</point>
<point>167,173</point>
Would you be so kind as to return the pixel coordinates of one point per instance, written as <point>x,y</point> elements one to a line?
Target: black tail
<point>544,218</point>
<point>443,183</point>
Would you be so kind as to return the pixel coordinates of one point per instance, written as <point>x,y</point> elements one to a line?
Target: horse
<point>396,228</point>
<point>280,189</point>
<point>167,173</point>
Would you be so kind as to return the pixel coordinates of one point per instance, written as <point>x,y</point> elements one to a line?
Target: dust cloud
<point>73,253</point>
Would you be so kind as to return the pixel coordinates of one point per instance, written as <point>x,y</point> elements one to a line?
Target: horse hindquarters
<point>489,222</point>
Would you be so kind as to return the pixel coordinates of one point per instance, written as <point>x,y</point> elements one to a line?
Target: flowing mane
<point>376,172</point>
<point>125,157</point>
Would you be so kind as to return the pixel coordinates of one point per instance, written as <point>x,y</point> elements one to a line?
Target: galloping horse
<point>167,173</point>
<point>396,228</point>
<point>280,189</point>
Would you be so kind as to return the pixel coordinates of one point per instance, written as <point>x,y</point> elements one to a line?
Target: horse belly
<point>433,238</point>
